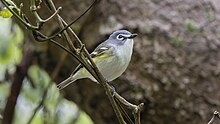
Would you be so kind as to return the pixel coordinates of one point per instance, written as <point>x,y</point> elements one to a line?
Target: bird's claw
<point>113,90</point>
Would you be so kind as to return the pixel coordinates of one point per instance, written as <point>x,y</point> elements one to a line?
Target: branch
<point>136,109</point>
<point>34,8</point>
<point>23,21</point>
<point>18,77</point>
<point>60,46</point>
<point>215,114</point>
<point>68,25</point>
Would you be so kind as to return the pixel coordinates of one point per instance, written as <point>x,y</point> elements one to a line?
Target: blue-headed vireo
<point>111,57</point>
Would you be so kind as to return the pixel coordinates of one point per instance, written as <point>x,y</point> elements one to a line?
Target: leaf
<point>10,52</point>
<point>39,76</point>
<point>11,36</point>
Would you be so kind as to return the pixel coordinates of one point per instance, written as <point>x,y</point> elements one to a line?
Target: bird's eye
<point>120,37</point>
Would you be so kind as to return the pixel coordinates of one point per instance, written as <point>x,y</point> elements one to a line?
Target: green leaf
<point>4,87</point>
<point>5,13</point>
<point>11,36</point>
<point>39,76</point>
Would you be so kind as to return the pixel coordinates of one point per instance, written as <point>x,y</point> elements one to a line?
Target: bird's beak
<point>132,36</point>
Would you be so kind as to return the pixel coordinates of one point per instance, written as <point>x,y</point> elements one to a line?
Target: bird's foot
<point>113,90</point>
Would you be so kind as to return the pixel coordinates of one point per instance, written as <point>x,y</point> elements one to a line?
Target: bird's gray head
<point>119,37</point>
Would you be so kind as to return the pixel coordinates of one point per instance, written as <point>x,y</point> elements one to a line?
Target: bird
<point>112,57</point>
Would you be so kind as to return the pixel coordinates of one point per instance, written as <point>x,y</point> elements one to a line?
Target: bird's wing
<point>97,54</point>
<point>99,51</point>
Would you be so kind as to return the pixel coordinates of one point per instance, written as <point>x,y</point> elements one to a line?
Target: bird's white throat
<point>126,50</point>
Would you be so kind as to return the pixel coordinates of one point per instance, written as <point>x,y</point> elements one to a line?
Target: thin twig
<point>40,21</point>
<point>59,45</point>
<point>65,34</point>
<point>59,65</point>
<point>136,109</point>
<point>215,114</point>
<point>58,10</point>
<point>27,24</point>
<point>137,114</point>
<point>124,112</point>
<point>68,25</point>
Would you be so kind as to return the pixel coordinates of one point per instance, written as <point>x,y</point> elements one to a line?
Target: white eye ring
<point>120,37</point>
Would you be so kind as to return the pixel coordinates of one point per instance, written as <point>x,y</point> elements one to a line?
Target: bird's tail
<point>65,83</point>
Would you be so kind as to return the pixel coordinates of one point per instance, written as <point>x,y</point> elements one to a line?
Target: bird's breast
<point>120,63</point>
<point>125,51</point>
